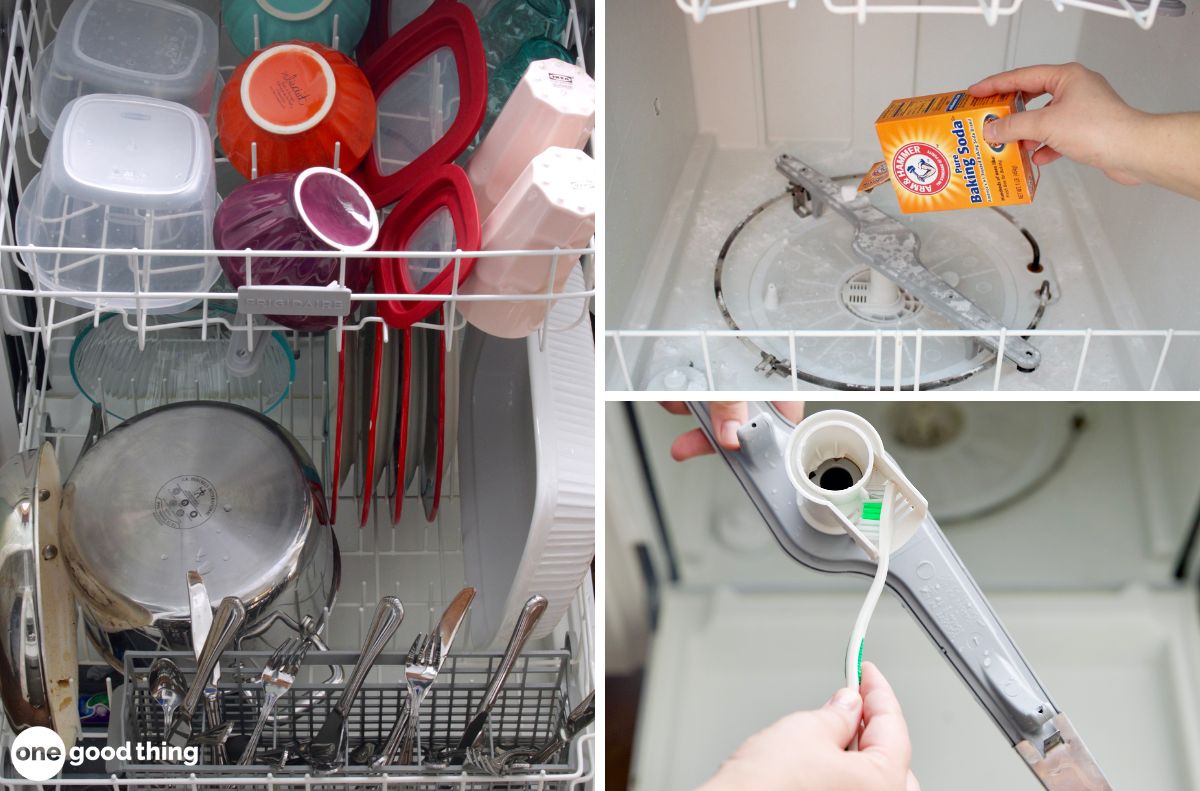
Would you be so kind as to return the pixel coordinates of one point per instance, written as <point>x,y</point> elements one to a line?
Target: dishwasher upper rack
<point>529,712</point>
<point>30,27</point>
<point>1142,12</point>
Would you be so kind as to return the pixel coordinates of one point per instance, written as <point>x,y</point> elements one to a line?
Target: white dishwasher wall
<point>697,113</point>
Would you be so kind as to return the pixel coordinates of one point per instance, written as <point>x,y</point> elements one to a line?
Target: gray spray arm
<point>937,589</point>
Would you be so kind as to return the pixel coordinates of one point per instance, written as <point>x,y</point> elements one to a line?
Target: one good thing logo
<point>921,169</point>
<point>38,753</point>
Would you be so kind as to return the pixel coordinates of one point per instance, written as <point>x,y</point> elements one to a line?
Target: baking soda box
<point>936,157</point>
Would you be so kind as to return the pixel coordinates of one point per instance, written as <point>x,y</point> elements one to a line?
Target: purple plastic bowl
<point>316,209</point>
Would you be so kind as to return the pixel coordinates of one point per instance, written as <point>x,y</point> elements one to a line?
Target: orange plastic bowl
<point>294,102</point>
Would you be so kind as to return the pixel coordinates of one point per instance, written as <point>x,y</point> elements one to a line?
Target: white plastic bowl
<point>123,172</point>
<point>154,48</point>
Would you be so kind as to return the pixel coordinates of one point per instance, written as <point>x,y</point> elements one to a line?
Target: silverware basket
<point>529,713</point>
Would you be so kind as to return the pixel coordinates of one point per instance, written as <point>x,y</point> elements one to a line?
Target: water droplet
<point>162,557</point>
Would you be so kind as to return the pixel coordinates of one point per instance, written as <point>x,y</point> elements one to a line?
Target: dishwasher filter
<point>789,265</point>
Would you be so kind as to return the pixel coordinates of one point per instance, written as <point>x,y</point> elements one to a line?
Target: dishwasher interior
<point>715,283</point>
<point>506,543</point>
<point>1071,518</point>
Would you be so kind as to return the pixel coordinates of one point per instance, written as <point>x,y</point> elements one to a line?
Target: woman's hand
<point>1087,121</point>
<point>806,751</point>
<point>727,418</point>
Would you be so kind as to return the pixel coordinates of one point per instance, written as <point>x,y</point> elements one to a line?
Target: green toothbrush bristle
<point>860,653</point>
<point>872,510</point>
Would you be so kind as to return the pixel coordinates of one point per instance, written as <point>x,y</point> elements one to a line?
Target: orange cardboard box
<point>937,159</point>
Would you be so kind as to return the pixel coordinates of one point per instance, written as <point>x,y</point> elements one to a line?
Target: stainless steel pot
<point>201,486</point>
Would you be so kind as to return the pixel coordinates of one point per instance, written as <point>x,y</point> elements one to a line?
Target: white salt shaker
<point>552,204</point>
<point>554,104</point>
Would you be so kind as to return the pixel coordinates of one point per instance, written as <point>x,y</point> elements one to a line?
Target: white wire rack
<point>628,346</point>
<point>1142,12</point>
<point>21,145</point>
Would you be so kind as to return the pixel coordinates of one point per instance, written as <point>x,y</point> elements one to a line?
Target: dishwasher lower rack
<point>529,712</point>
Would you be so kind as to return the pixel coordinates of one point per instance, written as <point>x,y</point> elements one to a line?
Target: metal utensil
<point>201,613</point>
<point>324,751</point>
<point>420,678</point>
<point>530,614</point>
<point>228,620</point>
<point>580,717</point>
<point>213,737</point>
<point>167,686</point>
<point>277,678</point>
<point>893,250</point>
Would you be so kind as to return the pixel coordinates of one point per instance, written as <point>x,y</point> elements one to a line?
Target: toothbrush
<point>854,650</point>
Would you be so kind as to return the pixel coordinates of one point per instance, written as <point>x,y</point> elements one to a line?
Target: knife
<point>324,751</point>
<point>399,740</point>
<point>531,613</point>
<point>201,613</point>
<point>230,616</point>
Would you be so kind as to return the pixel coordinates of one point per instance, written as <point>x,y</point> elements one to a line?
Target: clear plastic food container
<point>123,172</point>
<point>151,48</point>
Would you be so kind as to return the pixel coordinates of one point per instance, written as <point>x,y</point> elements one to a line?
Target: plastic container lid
<point>152,48</point>
<point>124,45</point>
<point>133,152</point>
<point>430,84</point>
<point>437,215</point>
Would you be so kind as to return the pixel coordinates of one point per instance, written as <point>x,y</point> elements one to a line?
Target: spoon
<point>167,686</point>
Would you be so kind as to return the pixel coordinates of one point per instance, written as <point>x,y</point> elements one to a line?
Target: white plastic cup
<point>554,105</point>
<point>552,204</point>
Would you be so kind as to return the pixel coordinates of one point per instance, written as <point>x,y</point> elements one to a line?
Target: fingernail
<point>989,130</point>
<point>729,430</point>
<point>845,698</point>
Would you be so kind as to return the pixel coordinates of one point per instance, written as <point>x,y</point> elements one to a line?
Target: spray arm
<point>924,572</point>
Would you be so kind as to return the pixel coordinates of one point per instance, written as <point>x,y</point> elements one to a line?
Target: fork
<point>277,678</point>
<point>420,671</point>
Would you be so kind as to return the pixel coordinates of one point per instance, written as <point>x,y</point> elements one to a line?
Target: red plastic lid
<point>443,199</point>
<point>446,25</point>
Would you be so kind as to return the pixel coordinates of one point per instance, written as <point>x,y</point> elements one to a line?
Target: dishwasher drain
<point>781,271</point>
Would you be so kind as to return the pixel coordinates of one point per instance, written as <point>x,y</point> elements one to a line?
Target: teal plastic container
<point>510,23</point>
<point>288,20</point>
